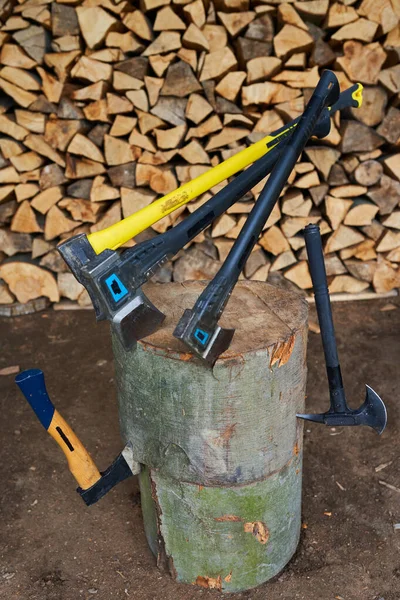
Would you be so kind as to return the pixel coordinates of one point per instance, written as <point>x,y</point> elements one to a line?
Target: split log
<point>229,87</point>
<point>267,93</point>
<point>194,39</point>
<point>28,282</point>
<point>362,63</point>
<point>361,270</point>
<point>345,283</point>
<point>24,220</point>
<point>368,173</point>
<point>291,40</point>
<point>336,210</point>
<point>361,214</point>
<point>342,238</point>
<point>300,275</point>
<point>134,200</point>
<point>386,278</point>
<point>57,223</point>
<point>217,64</point>
<point>118,152</point>
<point>274,241</point>
<point>385,195</point>
<point>43,201</point>
<point>13,243</point>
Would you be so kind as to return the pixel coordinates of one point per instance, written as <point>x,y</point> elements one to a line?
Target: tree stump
<point>221,448</point>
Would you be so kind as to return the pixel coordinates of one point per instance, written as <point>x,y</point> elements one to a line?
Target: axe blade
<point>136,320</point>
<point>206,341</point>
<point>373,411</point>
<point>123,467</point>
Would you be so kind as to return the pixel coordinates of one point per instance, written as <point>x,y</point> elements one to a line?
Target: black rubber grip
<point>325,94</point>
<point>316,264</point>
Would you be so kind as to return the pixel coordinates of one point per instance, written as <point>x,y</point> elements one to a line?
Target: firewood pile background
<point>106,105</point>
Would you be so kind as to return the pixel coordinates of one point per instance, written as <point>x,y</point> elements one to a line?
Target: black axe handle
<point>316,264</point>
<point>213,299</point>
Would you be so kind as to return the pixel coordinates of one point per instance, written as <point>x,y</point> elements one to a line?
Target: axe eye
<point>201,336</point>
<point>116,287</point>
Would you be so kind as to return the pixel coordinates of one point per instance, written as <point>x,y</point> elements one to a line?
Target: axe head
<point>207,340</point>
<point>77,252</point>
<point>113,282</point>
<point>371,413</point>
<point>136,319</point>
<point>123,467</point>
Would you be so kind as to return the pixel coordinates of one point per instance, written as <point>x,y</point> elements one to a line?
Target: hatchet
<point>198,327</point>
<point>93,485</point>
<point>373,411</point>
<point>114,281</point>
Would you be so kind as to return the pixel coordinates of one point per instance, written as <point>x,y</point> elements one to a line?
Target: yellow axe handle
<point>113,237</point>
<point>80,462</point>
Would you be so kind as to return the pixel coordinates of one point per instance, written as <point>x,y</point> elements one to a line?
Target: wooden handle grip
<point>80,462</point>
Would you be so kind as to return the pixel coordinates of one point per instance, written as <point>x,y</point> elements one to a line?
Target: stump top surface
<point>261,314</point>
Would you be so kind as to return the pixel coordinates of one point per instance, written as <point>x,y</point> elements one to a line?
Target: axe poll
<point>93,485</point>
<point>118,234</point>
<point>114,280</point>
<point>372,412</point>
<point>198,327</point>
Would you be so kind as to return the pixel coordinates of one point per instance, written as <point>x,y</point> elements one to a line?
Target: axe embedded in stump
<point>93,485</point>
<point>373,411</point>
<point>198,327</point>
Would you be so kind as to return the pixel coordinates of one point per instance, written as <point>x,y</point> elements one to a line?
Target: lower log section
<point>230,538</point>
<point>222,448</point>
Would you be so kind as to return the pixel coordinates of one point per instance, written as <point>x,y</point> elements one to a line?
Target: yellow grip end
<point>357,95</point>
<point>80,462</point>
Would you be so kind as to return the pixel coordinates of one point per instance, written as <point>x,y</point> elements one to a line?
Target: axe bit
<point>114,281</point>
<point>198,328</point>
<point>93,485</point>
<point>373,411</point>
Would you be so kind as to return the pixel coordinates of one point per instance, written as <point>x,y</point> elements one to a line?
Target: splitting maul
<point>93,485</point>
<point>198,327</point>
<point>114,280</point>
<point>373,411</point>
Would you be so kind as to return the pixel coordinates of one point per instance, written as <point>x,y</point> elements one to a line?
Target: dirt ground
<point>54,548</point>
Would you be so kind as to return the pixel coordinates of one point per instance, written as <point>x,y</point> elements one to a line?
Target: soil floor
<point>53,548</point>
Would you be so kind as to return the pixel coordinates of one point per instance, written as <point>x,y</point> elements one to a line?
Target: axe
<point>114,281</point>
<point>198,328</point>
<point>93,485</point>
<point>116,235</point>
<point>373,411</point>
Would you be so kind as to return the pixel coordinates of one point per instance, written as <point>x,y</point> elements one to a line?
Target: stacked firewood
<point>107,105</point>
